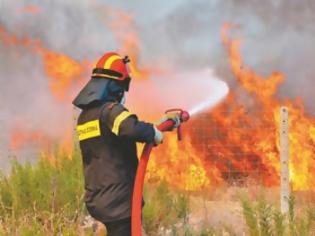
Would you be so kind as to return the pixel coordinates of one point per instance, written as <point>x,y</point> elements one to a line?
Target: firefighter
<point>108,133</point>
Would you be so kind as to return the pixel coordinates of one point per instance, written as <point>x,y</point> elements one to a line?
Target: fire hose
<point>141,170</point>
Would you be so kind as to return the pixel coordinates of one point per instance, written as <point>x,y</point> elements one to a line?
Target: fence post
<point>284,160</point>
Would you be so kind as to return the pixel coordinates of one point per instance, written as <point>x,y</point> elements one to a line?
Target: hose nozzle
<point>183,116</point>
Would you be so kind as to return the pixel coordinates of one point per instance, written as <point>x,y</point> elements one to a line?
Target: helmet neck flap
<point>98,91</point>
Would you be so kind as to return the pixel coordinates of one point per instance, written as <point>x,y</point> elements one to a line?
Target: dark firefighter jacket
<point>108,136</point>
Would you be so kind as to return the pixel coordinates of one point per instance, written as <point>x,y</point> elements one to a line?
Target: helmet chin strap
<point>123,99</point>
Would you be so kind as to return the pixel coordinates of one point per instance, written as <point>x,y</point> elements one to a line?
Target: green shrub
<point>250,216</point>
<point>279,223</point>
<point>262,219</point>
<point>41,198</point>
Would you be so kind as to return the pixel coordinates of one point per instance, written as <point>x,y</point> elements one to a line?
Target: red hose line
<point>139,181</point>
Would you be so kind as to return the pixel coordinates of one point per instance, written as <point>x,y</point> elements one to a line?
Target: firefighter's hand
<point>171,116</point>
<point>158,136</point>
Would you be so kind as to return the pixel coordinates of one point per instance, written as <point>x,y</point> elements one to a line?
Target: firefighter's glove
<point>158,136</point>
<point>171,116</point>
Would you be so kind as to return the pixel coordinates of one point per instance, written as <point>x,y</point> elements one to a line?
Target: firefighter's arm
<point>137,130</point>
<point>124,124</point>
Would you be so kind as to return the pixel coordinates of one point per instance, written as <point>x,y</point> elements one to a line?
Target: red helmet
<point>112,66</point>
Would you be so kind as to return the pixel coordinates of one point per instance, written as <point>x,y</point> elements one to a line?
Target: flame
<point>63,74</point>
<point>237,140</point>
<point>62,71</point>
<point>180,165</point>
<point>256,132</point>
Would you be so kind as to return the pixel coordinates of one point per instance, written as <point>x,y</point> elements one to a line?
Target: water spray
<point>214,98</point>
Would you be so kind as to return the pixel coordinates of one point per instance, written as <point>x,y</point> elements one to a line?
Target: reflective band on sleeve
<point>110,61</point>
<point>88,130</point>
<point>120,118</point>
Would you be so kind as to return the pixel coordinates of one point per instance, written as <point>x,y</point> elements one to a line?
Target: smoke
<point>276,36</point>
<point>181,36</point>
<point>193,91</point>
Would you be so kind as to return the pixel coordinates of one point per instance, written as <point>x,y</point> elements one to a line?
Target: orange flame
<point>62,72</point>
<point>235,141</point>
<point>239,139</point>
<point>261,138</point>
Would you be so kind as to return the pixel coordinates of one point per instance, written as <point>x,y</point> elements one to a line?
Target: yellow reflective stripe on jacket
<point>120,118</point>
<point>89,129</point>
